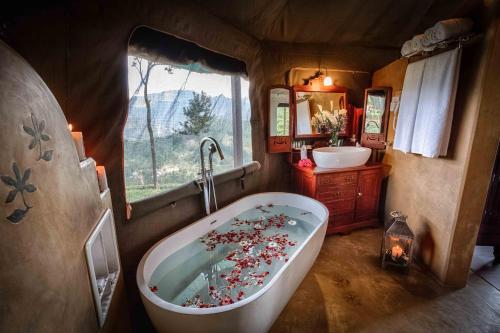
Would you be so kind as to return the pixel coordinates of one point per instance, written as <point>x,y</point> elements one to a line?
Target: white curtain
<point>427,104</point>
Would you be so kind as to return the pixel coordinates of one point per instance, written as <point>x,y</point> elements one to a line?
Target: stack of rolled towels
<point>441,31</point>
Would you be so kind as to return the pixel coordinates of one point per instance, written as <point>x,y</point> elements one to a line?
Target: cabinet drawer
<point>336,187</point>
<point>341,207</point>
<point>342,219</point>
<point>344,178</point>
<point>336,193</point>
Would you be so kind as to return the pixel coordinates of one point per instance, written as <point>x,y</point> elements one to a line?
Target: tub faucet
<point>206,180</point>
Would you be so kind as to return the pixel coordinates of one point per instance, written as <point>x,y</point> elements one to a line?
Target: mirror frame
<point>279,144</point>
<point>376,140</point>
<point>310,88</point>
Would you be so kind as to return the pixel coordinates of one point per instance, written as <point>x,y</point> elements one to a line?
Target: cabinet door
<point>308,185</point>
<point>303,183</point>
<point>369,183</point>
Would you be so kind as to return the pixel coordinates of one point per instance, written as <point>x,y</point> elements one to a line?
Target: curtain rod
<point>462,41</point>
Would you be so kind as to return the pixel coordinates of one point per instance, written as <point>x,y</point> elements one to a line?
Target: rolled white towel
<point>427,43</point>
<point>413,45</point>
<point>417,43</point>
<point>447,29</point>
<point>406,49</point>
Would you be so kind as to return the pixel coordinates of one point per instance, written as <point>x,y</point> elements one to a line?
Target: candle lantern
<point>398,244</point>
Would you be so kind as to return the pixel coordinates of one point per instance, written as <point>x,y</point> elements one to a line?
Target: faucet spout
<point>202,154</point>
<point>206,180</point>
<point>215,147</point>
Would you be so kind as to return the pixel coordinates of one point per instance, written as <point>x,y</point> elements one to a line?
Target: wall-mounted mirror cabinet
<point>375,117</point>
<point>313,107</point>
<point>279,140</point>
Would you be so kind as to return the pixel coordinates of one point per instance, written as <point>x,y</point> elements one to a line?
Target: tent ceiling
<point>374,23</point>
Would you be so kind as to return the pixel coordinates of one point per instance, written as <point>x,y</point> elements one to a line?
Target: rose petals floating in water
<point>246,261</point>
<point>197,302</point>
<point>258,226</point>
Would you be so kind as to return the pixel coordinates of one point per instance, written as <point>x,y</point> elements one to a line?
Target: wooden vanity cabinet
<point>351,195</point>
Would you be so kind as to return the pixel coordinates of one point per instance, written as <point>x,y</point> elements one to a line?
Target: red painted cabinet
<point>369,184</point>
<point>351,195</point>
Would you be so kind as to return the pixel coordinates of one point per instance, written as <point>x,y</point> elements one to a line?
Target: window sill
<point>146,206</point>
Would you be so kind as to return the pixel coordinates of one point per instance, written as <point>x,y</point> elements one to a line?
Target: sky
<point>160,80</point>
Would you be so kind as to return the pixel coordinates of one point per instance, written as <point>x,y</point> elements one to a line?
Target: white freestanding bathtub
<point>255,313</point>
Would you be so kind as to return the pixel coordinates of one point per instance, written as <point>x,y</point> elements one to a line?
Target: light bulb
<point>327,81</point>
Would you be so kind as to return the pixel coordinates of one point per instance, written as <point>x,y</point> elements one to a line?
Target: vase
<point>334,141</point>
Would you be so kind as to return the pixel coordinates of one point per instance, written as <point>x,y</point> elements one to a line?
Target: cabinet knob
<point>360,194</point>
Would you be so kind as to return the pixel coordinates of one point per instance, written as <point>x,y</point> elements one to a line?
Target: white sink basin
<point>341,157</point>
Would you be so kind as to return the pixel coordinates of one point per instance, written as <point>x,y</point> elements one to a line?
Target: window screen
<point>171,108</point>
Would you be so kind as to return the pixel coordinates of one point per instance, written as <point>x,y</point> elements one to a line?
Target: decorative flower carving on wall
<point>37,137</point>
<point>19,185</point>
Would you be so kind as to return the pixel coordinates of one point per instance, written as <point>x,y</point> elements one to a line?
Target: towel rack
<point>443,46</point>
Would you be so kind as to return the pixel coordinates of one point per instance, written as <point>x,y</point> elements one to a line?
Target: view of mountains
<point>167,112</point>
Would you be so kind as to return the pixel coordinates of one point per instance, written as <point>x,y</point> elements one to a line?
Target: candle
<point>78,141</point>
<point>129,211</point>
<point>101,178</point>
<point>396,252</point>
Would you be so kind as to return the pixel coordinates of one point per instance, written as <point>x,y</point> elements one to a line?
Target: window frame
<point>237,136</point>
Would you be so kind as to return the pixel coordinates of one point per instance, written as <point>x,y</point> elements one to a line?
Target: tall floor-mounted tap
<point>206,180</point>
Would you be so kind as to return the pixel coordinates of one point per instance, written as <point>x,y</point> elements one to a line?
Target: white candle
<point>101,178</point>
<point>129,211</point>
<point>396,252</point>
<point>78,141</point>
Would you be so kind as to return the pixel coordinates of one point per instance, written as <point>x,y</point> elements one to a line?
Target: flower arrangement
<point>322,120</point>
<point>336,126</point>
<point>329,122</point>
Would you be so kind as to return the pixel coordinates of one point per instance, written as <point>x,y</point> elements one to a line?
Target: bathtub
<point>253,314</point>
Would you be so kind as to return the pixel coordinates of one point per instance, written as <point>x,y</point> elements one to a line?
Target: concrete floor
<point>484,265</point>
<point>347,291</point>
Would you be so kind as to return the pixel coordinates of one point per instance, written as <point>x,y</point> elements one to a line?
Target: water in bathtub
<point>235,260</point>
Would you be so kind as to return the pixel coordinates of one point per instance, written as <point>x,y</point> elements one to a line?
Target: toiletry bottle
<point>303,152</point>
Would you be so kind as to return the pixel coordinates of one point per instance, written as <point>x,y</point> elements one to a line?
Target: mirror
<point>313,109</point>
<point>279,140</point>
<point>375,117</point>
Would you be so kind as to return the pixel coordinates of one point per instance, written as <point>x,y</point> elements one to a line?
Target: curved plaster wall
<point>50,202</point>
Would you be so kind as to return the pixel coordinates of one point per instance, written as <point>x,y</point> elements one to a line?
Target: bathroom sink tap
<point>206,180</point>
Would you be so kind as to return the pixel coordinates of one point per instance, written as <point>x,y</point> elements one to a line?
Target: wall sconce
<point>320,80</point>
<point>327,80</point>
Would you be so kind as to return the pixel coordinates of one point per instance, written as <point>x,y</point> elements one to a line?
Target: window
<point>282,119</point>
<point>184,104</point>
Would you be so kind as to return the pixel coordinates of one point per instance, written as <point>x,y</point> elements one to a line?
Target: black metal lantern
<point>397,246</point>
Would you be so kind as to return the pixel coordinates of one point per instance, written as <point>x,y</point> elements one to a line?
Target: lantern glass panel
<point>398,244</point>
